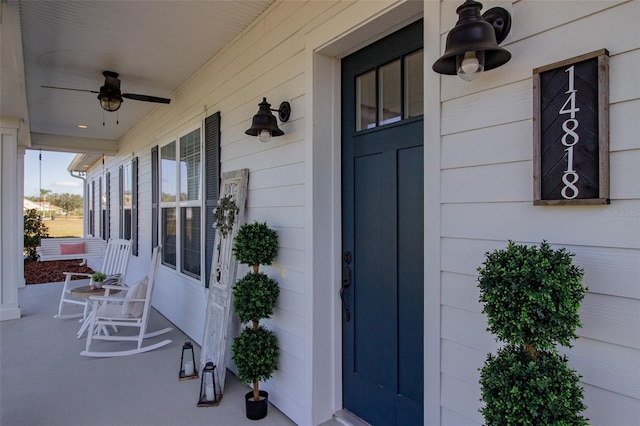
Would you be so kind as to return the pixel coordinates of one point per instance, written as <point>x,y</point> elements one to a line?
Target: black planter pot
<point>257,410</point>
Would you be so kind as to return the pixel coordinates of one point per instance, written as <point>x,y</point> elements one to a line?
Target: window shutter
<point>121,201</point>
<point>134,206</point>
<point>92,223</point>
<point>107,194</point>
<point>100,215</point>
<point>154,197</point>
<point>212,185</point>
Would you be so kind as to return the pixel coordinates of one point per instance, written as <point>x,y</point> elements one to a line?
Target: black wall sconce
<point>264,124</point>
<point>472,45</point>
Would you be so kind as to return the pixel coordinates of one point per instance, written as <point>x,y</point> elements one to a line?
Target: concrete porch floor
<point>44,380</point>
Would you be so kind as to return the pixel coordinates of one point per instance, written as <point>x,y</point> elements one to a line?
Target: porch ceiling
<point>155,46</point>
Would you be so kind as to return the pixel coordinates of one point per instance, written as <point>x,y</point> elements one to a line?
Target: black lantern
<point>472,45</point>
<point>264,124</point>
<point>187,364</point>
<point>209,395</point>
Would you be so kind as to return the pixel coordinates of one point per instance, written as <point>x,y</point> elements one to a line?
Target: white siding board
<point>624,122</point>
<point>287,196</point>
<point>494,183</point>
<point>461,291</point>
<point>464,256</point>
<point>278,217</point>
<point>269,178</point>
<point>605,408</point>
<point>288,280</point>
<point>462,362</point>
<point>625,86</point>
<point>451,418</point>
<point>462,398</point>
<point>275,154</point>
<point>491,145</point>
<point>467,329</point>
<point>498,106</point>
<point>287,321</point>
<point>583,226</point>
<point>290,259</point>
<point>625,175</point>
<point>291,301</point>
<point>606,366</point>
<point>611,319</point>
<point>291,238</point>
<point>611,271</point>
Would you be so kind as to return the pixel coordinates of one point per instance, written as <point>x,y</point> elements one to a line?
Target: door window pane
<point>366,101</point>
<point>390,93</point>
<point>413,84</point>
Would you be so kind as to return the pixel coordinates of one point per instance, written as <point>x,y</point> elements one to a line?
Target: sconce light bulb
<point>471,65</point>
<point>264,135</point>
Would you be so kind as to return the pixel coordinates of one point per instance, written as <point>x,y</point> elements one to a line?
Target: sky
<point>52,173</point>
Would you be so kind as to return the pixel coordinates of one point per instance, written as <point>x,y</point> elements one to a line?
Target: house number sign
<point>571,131</point>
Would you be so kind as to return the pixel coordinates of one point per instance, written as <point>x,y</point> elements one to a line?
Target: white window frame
<point>179,204</point>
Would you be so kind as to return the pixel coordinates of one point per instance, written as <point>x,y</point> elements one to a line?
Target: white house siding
<point>486,189</point>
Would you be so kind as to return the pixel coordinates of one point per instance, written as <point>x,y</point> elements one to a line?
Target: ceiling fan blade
<point>146,98</point>
<point>69,88</point>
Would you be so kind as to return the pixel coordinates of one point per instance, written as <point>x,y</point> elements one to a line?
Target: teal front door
<point>382,219</point>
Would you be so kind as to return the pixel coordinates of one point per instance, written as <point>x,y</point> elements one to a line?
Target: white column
<point>20,203</point>
<point>11,223</point>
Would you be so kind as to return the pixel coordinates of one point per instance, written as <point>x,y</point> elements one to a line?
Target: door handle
<point>346,282</point>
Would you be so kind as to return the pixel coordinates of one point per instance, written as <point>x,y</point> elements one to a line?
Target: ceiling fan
<point>110,96</point>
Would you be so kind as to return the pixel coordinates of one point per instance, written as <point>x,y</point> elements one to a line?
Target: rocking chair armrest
<point>116,287</point>
<point>111,290</point>
<point>80,274</point>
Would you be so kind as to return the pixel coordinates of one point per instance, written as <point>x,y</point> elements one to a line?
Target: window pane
<point>190,166</point>
<point>126,185</point>
<point>169,237</point>
<point>413,84</point>
<point>390,93</point>
<point>190,237</point>
<point>366,101</point>
<point>126,221</point>
<point>168,172</point>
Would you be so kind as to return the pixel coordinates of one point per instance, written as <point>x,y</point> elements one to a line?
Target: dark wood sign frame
<point>571,131</point>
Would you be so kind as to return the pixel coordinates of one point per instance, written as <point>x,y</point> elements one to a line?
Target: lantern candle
<point>209,392</point>
<point>188,368</point>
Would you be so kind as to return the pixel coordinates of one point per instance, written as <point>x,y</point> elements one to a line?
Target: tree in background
<point>68,202</point>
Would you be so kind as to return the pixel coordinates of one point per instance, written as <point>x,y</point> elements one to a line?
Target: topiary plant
<point>255,244</point>
<point>518,390</point>
<point>531,297</point>
<point>255,350</point>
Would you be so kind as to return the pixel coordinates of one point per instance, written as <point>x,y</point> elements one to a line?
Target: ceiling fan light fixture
<point>110,100</point>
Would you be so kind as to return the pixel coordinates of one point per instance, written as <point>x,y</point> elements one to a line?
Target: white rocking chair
<point>130,311</point>
<point>116,260</point>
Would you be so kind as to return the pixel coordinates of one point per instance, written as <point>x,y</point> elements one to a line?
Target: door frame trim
<point>324,47</point>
